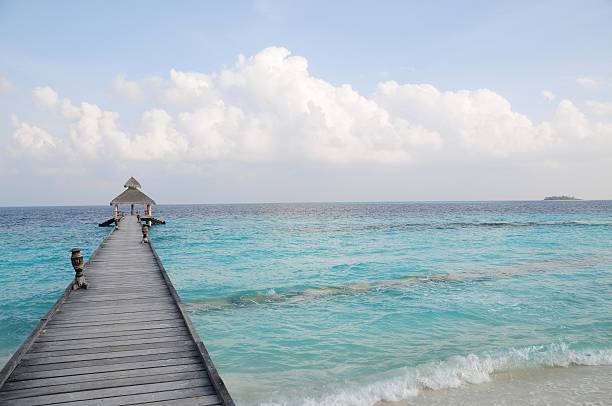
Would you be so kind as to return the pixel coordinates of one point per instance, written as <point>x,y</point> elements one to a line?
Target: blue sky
<point>513,48</point>
<point>516,50</point>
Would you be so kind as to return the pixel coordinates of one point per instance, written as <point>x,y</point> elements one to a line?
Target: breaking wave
<point>454,372</point>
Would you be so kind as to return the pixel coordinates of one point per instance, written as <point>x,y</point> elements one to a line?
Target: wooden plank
<point>65,320</point>
<point>196,401</point>
<point>121,276</point>
<point>142,325</point>
<point>21,374</point>
<point>104,384</point>
<point>63,335</point>
<point>122,391</point>
<point>101,376</point>
<point>93,346</point>
<point>120,262</point>
<point>67,340</point>
<point>110,308</point>
<point>119,327</point>
<point>93,318</point>
<point>116,298</point>
<point>123,292</point>
<point>120,265</point>
<point>110,348</point>
<point>113,334</point>
<point>120,282</point>
<point>122,289</point>
<point>113,284</point>
<point>147,397</point>
<point>103,321</point>
<point>45,358</point>
<point>106,361</point>
<point>82,311</point>
<point>135,316</point>
<point>108,259</point>
<point>125,304</point>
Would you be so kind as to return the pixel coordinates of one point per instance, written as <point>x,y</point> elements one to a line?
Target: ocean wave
<point>453,225</point>
<point>297,294</point>
<point>270,296</point>
<point>530,223</point>
<point>452,373</point>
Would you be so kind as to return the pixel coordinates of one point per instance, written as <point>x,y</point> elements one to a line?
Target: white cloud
<point>600,107</point>
<point>5,85</point>
<point>570,122</point>
<point>548,95</point>
<point>32,141</point>
<point>291,114</point>
<point>269,108</point>
<point>46,97</point>
<point>96,133</point>
<point>189,88</point>
<point>476,121</point>
<point>158,140</point>
<point>127,88</point>
<point>587,82</point>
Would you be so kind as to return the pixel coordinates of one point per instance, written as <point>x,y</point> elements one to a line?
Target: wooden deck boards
<point>124,341</point>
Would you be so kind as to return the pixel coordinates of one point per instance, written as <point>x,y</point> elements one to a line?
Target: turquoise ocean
<point>353,303</point>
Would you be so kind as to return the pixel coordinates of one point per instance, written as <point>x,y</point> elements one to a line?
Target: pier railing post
<point>118,217</point>
<point>145,234</point>
<point>78,264</point>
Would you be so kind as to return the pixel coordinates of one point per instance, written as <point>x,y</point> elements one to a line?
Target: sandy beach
<point>581,385</point>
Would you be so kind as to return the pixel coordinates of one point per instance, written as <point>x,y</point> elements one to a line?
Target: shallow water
<point>353,303</point>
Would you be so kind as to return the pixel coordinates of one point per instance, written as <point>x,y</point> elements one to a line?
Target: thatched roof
<point>132,183</point>
<point>132,196</point>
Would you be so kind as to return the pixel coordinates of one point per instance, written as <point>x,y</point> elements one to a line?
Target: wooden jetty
<point>124,340</point>
<point>132,196</point>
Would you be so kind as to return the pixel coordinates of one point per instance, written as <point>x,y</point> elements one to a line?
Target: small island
<point>563,197</point>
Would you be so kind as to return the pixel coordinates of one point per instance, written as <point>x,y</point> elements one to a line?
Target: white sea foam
<point>454,372</point>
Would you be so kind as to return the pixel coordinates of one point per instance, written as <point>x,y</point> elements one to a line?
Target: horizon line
<point>319,202</point>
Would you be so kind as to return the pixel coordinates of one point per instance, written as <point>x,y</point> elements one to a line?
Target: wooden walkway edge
<point>126,340</point>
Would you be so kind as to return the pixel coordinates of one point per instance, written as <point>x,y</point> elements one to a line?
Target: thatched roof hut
<point>132,195</point>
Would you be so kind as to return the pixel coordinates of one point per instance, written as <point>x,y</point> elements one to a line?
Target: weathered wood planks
<point>125,340</point>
